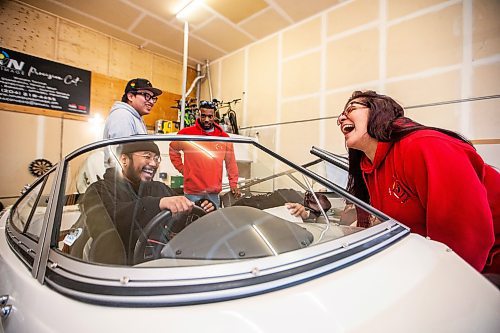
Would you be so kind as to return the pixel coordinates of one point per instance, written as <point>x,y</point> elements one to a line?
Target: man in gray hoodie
<point>125,117</point>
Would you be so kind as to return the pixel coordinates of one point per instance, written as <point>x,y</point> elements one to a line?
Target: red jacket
<point>202,167</point>
<point>439,187</point>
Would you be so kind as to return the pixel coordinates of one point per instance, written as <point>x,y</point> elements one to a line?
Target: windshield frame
<point>131,286</point>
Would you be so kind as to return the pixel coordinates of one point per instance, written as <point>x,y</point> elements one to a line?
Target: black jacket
<point>112,203</point>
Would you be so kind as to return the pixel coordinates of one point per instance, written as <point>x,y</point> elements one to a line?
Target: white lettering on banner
<point>68,79</point>
<point>33,70</point>
<point>27,80</point>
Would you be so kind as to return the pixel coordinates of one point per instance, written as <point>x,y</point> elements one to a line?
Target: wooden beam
<point>486,142</point>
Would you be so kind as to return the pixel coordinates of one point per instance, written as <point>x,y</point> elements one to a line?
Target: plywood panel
<point>398,8</point>
<point>427,41</point>
<point>237,13</point>
<point>128,61</point>
<point>230,40</point>
<point>341,19</point>
<point>166,53</point>
<point>61,10</point>
<point>302,75</point>
<point>353,59</point>
<point>429,89</point>
<point>199,50</point>
<point>264,23</point>
<point>300,9</point>
<point>297,139</point>
<point>444,116</point>
<point>485,119</point>
<point>303,37</point>
<point>168,9</point>
<point>298,110</point>
<point>27,30</point>
<point>486,28</point>
<point>486,79</point>
<point>160,32</point>
<point>262,82</point>
<point>233,67</point>
<point>167,75</point>
<point>106,11</point>
<point>83,48</point>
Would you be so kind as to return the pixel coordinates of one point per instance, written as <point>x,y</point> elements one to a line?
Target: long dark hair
<point>386,123</point>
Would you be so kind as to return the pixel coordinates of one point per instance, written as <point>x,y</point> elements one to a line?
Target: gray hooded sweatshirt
<point>123,120</point>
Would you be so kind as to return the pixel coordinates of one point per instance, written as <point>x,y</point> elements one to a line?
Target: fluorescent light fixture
<point>188,9</point>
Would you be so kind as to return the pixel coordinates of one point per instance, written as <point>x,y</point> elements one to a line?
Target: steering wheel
<point>160,230</point>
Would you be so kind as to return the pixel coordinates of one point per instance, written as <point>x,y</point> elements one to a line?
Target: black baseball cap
<point>132,147</point>
<point>141,84</point>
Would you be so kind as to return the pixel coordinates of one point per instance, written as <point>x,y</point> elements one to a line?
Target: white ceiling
<point>216,27</point>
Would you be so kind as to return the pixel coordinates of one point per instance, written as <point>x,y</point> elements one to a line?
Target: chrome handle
<point>5,310</point>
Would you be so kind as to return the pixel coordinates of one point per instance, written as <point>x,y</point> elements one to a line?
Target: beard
<point>131,175</point>
<point>206,126</point>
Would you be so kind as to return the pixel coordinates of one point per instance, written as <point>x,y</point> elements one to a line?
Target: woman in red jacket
<point>430,179</point>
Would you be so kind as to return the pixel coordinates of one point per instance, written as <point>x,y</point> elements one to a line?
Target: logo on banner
<point>7,64</point>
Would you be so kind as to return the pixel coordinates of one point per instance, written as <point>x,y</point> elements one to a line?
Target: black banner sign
<point>32,81</point>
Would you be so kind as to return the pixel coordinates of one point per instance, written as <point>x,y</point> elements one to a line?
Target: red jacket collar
<point>383,149</point>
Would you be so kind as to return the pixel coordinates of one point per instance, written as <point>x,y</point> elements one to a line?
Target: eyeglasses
<point>350,107</point>
<point>147,97</point>
<point>207,105</point>
<point>209,116</point>
<point>149,156</point>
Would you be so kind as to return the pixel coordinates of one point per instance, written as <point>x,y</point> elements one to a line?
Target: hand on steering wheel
<point>207,205</point>
<point>159,231</point>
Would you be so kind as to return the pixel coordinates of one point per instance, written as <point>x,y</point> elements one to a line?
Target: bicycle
<point>229,118</point>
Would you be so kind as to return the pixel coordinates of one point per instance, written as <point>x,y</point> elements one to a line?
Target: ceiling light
<point>188,9</point>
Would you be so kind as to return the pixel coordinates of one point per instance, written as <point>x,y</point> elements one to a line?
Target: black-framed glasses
<point>207,105</point>
<point>147,97</point>
<point>351,107</point>
<point>149,156</point>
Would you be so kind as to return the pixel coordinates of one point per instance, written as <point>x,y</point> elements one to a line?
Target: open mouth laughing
<point>347,128</point>
<point>148,172</point>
